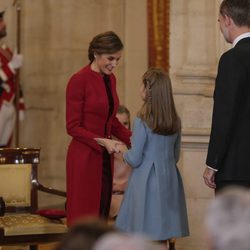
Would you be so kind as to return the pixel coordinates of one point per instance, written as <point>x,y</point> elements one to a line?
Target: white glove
<point>16,61</point>
<point>21,115</point>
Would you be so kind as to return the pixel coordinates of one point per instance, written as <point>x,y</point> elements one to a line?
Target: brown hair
<point>238,10</point>
<point>158,110</point>
<point>107,42</point>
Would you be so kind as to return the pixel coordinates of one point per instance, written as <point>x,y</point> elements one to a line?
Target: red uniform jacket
<point>86,115</point>
<point>6,75</point>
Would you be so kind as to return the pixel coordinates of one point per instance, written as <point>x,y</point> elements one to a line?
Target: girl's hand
<point>122,148</point>
<point>110,145</point>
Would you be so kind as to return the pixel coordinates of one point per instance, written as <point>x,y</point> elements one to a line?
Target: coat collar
<point>241,39</point>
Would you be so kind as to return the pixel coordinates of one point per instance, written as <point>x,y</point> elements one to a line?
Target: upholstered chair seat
<point>30,224</point>
<point>22,222</point>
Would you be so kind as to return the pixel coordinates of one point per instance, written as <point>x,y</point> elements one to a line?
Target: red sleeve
<point>120,132</point>
<point>74,105</point>
<point>6,73</point>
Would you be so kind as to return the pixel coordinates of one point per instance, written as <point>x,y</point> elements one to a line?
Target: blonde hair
<point>158,110</point>
<point>124,110</point>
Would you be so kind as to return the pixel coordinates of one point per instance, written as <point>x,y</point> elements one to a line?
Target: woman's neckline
<point>96,72</point>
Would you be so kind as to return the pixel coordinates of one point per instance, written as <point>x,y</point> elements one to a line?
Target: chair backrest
<point>18,171</point>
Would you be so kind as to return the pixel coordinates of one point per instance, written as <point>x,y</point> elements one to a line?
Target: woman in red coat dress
<point>91,106</point>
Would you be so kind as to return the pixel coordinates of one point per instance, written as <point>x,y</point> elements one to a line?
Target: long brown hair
<point>158,110</point>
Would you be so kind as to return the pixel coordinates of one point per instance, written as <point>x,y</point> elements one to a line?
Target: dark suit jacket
<point>229,146</point>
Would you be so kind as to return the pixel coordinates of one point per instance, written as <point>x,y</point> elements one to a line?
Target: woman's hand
<point>122,148</point>
<point>112,146</point>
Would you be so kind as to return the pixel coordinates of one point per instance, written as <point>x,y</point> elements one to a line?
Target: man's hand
<point>208,176</point>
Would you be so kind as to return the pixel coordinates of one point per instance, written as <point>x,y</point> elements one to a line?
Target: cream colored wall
<point>195,47</point>
<point>136,57</point>
<point>54,41</point>
<point>55,37</point>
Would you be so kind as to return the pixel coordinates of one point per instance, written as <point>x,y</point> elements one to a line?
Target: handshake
<point>112,146</point>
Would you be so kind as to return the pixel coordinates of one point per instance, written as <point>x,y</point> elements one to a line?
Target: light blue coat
<point>154,202</point>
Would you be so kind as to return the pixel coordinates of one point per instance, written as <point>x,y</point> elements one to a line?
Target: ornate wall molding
<point>197,138</point>
<point>195,82</point>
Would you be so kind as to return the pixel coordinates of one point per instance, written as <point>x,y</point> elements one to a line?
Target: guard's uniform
<point>7,95</point>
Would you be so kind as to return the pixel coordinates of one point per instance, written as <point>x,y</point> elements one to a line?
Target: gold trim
<point>158,33</point>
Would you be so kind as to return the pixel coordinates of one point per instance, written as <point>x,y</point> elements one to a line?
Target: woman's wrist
<point>100,141</point>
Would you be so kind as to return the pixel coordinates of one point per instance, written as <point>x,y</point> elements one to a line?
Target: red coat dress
<point>86,115</point>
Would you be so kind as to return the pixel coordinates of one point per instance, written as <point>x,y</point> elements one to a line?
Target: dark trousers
<point>220,185</point>
<point>106,192</point>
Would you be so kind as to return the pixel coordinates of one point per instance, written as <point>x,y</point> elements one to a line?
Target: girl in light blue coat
<point>154,202</point>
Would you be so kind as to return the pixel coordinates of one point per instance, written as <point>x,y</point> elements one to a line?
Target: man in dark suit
<point>228,158</point>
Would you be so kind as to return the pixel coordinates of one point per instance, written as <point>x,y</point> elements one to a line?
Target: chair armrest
<point>49,190</point>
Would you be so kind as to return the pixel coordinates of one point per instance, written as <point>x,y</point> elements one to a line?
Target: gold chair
<point>19,186</point>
